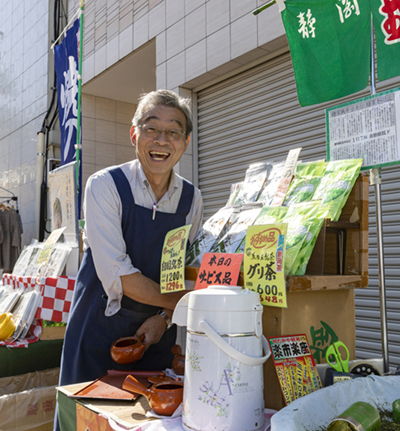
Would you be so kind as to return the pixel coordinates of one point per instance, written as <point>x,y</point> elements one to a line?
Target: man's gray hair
<point>168,98</point>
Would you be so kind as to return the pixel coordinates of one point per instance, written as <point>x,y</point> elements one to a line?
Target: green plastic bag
<point>336,184</point>
<point>299,219</point>
<point>306,180</point>
<point>302,259</point>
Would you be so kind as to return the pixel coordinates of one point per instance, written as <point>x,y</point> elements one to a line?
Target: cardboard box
<point>53,332</point>
<point>324,316</point>
<point>32,408</point>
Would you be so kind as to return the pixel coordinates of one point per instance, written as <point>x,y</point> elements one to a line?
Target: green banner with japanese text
<point>386,15</point>
<point>330,47</point>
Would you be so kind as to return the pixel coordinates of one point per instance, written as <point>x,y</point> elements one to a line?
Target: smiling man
<point>128,211</point>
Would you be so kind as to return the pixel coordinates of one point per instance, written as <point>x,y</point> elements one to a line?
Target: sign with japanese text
<point>66,66</point>
<point>172,277</point>
<point>264,263</point>
<point>219,268</point>
<point>294,365</point>
<point>344,26</point>
<point>386,15</point>
<point>367,128</point>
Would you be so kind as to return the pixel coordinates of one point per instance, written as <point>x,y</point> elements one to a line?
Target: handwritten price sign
<point>264,263</point>
<point>173,260</point>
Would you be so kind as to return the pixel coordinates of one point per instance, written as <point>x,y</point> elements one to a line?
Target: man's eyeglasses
<point>154,132</point>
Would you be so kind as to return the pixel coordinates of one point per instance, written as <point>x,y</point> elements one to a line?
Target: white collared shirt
<point>103,232</point>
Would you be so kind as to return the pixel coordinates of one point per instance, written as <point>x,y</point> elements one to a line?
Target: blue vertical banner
<point>66,58</point>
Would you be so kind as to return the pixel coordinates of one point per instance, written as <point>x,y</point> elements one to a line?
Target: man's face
<point>158,155</point>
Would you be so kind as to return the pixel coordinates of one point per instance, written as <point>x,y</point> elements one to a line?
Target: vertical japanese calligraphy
<point>345,27</point>
<point>386,15</point>
<point>264,263</point>
<point>172,277</point>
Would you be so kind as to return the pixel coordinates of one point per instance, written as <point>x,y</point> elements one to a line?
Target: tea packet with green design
<point>336,184</point>
<point>299,219</point>
<point>307,178</point>
<point>302,259</point>
<point>267,215</point>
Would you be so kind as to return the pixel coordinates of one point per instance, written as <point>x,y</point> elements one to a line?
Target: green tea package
<point>267,215</point>
<point>207,235</point>
<point>271,186</point>
<point>299,219</point>
<point>237,230</point>
<point>306,180</point>
<point>256,176</point>
<point>336,184</point>
<point>302,259</point>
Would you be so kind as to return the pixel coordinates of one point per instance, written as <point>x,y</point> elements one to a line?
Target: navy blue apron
<point>89,334</point>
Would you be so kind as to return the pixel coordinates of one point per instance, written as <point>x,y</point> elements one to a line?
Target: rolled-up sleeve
<point>105,238</point>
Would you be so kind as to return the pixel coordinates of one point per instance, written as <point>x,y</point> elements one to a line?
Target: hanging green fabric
<point>330,47</point>
<point>386,15</point>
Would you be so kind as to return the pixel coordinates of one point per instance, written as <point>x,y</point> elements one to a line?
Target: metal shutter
<point>255,115</point>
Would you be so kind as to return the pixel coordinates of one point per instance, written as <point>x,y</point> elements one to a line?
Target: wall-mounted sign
<point>367,128</point>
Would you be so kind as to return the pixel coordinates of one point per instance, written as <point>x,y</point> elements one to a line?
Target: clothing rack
<point>5,199</point>
<point>8,199</point>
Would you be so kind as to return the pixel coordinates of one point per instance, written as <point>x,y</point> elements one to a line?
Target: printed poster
<point>64,203</point>
<point>264,263</point>
<point>367,128</point>
<point>294,365</point>
<point>172,277</point>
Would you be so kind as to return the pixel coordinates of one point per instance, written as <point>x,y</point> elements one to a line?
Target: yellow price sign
<point>264,263</point>
<point>173,260</point>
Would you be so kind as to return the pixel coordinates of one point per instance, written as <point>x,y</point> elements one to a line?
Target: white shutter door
<point>255,116</point>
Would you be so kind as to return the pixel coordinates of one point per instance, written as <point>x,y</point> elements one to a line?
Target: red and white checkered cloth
<point>54,305</point>
<point>57,296</point>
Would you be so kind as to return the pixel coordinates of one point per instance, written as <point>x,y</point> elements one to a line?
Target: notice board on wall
<point>367,128</point>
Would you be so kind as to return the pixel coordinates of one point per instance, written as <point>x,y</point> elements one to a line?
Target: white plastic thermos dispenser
<point>224,385</point>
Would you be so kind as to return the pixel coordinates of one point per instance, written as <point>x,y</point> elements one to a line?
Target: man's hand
<point>153,329</point>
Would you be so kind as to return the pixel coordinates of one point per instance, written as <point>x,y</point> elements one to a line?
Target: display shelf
<point>340,256</point>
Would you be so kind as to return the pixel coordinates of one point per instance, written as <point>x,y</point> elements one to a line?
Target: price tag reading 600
<point>264,263</point>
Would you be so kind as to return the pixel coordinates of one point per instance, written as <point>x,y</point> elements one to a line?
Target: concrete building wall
<point>197,40</point>
<point>24,56</point>
<point>105,134</point>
